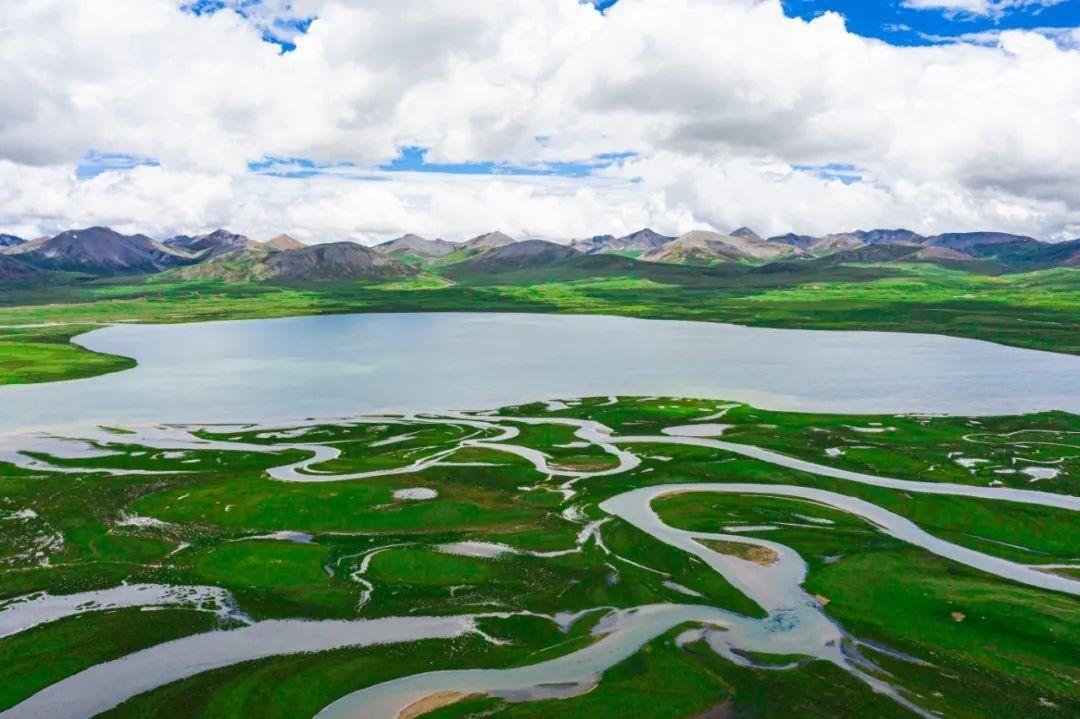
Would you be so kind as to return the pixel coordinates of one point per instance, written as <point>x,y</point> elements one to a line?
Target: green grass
<point>36,658</point>
<point>270,564</point>
<point>1014,651</point>
<point>663,681</point>
<point>473,497</point>
<point>423,566</point>
<point>300,686</point>
<point>1013,644</point>
<point>45,354</point>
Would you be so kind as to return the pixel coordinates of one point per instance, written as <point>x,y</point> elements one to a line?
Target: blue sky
<point>278,29</point>
<point>409,159</point>
<point>94,163</point>
<point>902,22</point>
<point>895,23</point>
<point>413,159</point>
<point>899,22</point>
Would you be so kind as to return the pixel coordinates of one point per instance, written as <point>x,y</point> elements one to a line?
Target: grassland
<point>998,640</point>
<point>1039,310</point>
<point>989,645</point>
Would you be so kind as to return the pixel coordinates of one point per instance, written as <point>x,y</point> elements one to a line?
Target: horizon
<point>561,241</point>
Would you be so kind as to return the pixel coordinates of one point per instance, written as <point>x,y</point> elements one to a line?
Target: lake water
<point>329,366</point>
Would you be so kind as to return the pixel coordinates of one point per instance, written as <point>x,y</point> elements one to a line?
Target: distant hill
<point>873,254</point>
<point>635,243</point>
<point>247,264</point>
<point>208,247</point>
<point>877,258</point>
<point>800,242</point>
<point>25,246</point>
<point>584,268</point>
<point>818,246</point>
<point>746,233</point>
<point>830,244</point>
<point>966,241</point>
<point>889,237</point>
<point>415,246</point>
<point>335,261</point>
<point>642,241</point>
<point>701,247</point>
<point>494,257</point>
<point>1062,254</point>
<point>1023,253</point>
<point>592,245</point>
<point>515,256</point>
<point>488,241</point>
<point>941,253</point>
<point>998,255</point>
<point>100,251</point>
<point>284,242</point>
<point>812,246</point>
<point>884,253</point>
<point>11,268</point>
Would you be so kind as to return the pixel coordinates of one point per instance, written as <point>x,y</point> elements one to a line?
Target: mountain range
<point>227,256</point>
<point>512,256</point>
<point>1010,252</point>
<point>10,240</point>
<point>414,246</point>
<point>99,251</point>
<point>13,269</point>
<point>211,246</point>
<point>701,247</point>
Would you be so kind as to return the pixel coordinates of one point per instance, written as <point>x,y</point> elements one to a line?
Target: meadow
<point>500,539</point>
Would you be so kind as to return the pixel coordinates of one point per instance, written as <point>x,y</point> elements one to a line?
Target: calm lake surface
<point>328,366</point>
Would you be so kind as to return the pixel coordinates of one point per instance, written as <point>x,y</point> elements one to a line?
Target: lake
<point>329,366</point>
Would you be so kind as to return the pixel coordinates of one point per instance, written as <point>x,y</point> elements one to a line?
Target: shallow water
<point>795,625</point>
<point>102,687</point>
<point>25,612</point>
<point>344,365</point>
<point>795,622</point>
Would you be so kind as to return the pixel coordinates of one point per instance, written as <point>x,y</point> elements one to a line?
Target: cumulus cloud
<point>160,202</point>
<point>728,105</point>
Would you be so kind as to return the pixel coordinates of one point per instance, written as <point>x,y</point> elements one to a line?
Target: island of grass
<point>545,564</point>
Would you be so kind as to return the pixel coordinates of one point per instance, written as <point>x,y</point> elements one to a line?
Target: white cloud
<point>720,99</point>
<point>985,8</point>
<point>161,203</point>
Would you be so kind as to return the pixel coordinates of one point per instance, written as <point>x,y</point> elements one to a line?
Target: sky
<point>559,119</point>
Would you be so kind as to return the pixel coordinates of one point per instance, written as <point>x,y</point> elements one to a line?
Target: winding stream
<point>795,622</point>
<point>102,687</point>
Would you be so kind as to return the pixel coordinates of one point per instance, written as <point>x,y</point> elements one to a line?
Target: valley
<point>575,359</point>
<point>281,486</point>
<point>878,285</point>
